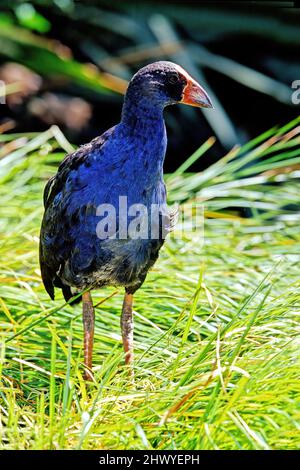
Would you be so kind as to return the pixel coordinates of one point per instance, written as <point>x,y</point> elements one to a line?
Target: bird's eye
<point>173,79</point>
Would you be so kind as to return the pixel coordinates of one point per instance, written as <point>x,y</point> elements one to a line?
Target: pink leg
<point>127,331</point>
<point>88,326</point>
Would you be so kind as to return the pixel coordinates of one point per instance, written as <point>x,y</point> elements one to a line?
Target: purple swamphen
<point>81,250</point>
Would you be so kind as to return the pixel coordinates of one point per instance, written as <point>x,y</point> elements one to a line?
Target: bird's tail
<point>67,292</point>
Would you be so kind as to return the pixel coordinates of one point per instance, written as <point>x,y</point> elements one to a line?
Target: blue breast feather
<point>122,162</point>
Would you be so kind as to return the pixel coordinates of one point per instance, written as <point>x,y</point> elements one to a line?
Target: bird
<point>85,241</point>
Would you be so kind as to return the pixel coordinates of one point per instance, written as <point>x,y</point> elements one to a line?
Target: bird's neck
<point>140,112</point>
<point>143,122</point>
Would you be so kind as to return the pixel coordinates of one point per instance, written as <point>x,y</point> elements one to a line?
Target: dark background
<point>212,41</point>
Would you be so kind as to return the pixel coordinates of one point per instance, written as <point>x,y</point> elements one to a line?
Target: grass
<point>216,324</point>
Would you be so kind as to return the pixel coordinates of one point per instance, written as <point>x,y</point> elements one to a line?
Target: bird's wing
<point>72,162</point>
<point>50,255</point>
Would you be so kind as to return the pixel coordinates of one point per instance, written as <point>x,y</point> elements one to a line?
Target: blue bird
<point>106,214</point>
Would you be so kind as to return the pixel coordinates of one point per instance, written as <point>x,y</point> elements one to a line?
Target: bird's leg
<point>88,326</point>
<point>127,331</point>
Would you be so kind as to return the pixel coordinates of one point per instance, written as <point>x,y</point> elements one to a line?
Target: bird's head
<point>165,83</point>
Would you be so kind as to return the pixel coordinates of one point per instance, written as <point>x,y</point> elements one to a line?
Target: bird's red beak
<point>194,95</point>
